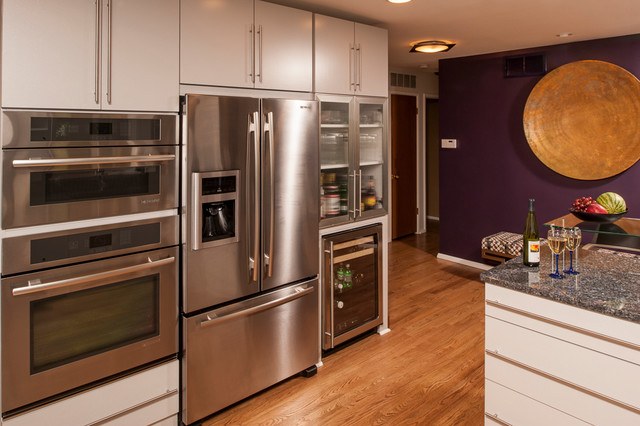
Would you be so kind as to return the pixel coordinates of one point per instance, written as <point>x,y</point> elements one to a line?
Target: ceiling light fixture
<point>431,46</point>
<point>398,1</point>
<point>563,35</point>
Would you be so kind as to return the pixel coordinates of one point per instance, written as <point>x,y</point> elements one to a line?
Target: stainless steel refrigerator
<point>250,254</point>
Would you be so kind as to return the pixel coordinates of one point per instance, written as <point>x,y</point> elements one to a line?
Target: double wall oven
<point>89,288</point>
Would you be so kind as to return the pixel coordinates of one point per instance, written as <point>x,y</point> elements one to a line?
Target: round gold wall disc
<point>582,120</point>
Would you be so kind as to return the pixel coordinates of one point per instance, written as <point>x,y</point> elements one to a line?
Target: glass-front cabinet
<point>353,160</point>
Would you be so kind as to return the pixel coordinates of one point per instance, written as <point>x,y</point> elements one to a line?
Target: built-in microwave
<point>60,167</point>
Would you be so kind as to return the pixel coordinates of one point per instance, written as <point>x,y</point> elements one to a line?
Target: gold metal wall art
<point>582,120</point>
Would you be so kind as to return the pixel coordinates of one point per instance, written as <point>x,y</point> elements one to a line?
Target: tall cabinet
<point>90,55</point>
<point>246,43</point>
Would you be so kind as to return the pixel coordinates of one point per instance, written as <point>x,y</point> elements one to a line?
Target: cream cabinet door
<point>49,54</point>
<point>140,55</point>
<point>373,61</point>
<point>283,47</point>
<point>334,50</point>
<point>216,40</point>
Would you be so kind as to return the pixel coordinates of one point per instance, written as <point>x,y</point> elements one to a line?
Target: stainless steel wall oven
<point>60,167</point>
<point>108,305</point>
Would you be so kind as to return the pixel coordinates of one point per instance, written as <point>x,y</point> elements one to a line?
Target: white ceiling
<point>482,26</point>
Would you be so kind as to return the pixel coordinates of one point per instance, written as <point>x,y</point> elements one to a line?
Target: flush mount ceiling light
<point>398,1</point>
<point>431,46</point>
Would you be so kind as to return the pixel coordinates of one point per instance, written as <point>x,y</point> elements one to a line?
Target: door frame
<point>420,166</point>
<point>425,200</point>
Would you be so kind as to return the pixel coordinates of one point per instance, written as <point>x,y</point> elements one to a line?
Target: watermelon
<point>613,202</point>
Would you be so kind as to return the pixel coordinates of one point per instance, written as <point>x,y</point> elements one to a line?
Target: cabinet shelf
<point>333,166</point>
<point>370,163</point>
<point>334,126</point>
<point>371,126</point>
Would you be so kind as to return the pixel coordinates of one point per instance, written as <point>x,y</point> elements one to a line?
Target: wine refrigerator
<point>352,280</point>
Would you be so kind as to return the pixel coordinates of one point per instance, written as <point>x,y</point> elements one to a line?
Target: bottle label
<point>533,248</point>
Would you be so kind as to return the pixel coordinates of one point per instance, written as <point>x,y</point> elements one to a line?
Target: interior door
<point>290,182</point>
<point>403,165</point>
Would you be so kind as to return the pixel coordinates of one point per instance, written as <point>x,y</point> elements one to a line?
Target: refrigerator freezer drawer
<point>237,350</point>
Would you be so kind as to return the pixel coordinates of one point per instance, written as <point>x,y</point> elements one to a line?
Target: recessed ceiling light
<point>424,66</point>
<point>564,35</point>
<point>431,46</point>
<point>398,1</point>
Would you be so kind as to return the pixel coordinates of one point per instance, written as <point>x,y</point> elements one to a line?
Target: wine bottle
<point>531,238</point>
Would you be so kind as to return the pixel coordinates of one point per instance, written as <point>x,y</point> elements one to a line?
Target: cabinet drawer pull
<point>497,419</point>
<point>495,354</point>
<point>577,329</point>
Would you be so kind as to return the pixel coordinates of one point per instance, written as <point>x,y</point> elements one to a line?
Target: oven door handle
<point>61,162</point>
<point>36,288</point>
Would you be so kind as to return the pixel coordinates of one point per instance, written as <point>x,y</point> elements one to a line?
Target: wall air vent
<point>525,66</point>
<point>402,80</point>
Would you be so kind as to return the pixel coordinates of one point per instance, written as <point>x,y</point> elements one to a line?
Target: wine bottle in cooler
<point>531,238</point>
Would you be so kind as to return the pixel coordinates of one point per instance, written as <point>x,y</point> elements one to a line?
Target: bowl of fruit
<point>607,208</point>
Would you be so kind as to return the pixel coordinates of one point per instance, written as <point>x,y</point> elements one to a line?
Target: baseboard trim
<point>465,262</point>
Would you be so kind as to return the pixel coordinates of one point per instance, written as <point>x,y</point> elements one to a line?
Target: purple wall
<point>486,182</point>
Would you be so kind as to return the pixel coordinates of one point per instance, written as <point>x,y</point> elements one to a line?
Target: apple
<point>596,208</point>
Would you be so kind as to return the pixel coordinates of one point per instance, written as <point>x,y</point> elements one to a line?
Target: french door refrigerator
<point>250,254</point>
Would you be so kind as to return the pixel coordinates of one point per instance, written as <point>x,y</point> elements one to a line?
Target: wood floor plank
<point>429,370</point>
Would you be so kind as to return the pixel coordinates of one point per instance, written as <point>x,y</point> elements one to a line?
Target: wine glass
<point>574,237</point>
<point>557,240</point>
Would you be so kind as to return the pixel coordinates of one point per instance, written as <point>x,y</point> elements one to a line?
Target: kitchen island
<point>563,351</point>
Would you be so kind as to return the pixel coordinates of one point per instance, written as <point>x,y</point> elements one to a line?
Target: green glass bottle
<point>531,238</point>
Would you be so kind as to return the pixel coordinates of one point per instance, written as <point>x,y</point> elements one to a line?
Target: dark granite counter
<point>608,283</point>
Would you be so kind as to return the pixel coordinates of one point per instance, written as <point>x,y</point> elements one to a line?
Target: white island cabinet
<point>350,58</point>
<point>90,55</point>
<point>551,363</point>
<point>246,43</point>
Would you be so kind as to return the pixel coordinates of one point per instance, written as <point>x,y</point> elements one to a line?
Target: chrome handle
<point>355,199</point>
<point>36,288</point>
<point>359,67</point>
<point>359,193</point>
<point>96,91</point>
<point>269,128</point>
<point>496,419</point>
<point>253,53</point>
<point>352,58</point>
<point>260,53</point>
<point>332,293</point>
<point>298,293</point>
<point>253,128</point>
<point>61,162</point>
<point>109,18</point>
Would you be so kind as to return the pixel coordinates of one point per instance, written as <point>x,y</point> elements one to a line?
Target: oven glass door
<point>68,327</point>
<point>60,185</point>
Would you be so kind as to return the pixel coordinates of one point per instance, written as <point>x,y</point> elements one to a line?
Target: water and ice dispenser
<point>216,208</point>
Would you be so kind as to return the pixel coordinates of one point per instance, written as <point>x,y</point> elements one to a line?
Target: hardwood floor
<point>429,370</point>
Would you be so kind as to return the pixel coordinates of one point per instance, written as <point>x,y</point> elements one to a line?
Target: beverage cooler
<point>352,284</point>
<point>353,160</point>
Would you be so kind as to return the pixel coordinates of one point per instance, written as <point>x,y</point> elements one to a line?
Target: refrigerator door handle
<point>255,241</point>
<point>298,292</point>
<point>269,129</point>
<point>333,300</point>
<point>359,193</point>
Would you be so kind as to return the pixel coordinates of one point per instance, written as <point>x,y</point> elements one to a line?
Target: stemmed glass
<point>574,237</point>
<point>557,240</point>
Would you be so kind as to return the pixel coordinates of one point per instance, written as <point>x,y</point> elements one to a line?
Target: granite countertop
<point>608,283</point>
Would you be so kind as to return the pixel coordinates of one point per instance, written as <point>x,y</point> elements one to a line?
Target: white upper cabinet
<point>351,58</point>
<point>142,73</point>
<point>49,54</point>
<point>223,45</point>
<point>90,54</point>
<point>216,42</point>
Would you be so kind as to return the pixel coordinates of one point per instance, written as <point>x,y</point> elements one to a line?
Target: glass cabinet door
<point>335,136</point>
<point>371,156</point>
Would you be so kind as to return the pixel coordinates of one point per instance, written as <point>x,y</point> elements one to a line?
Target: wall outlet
<point>449,143</point>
